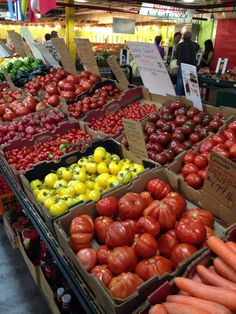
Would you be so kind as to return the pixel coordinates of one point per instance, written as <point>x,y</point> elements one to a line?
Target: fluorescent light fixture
<point>188,1</point>
<point>81,1</point>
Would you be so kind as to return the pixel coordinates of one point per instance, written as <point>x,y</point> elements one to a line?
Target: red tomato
<point>155,266</point>
<point>145,246</point>
<point>191,231</point>
<point>122,259</point>
<point>131,206</point>
<point>81,232</point>
<point>221,151</point>
<point>201,161</point>
<point>189,157</point>
<point>87,257</point>
<point>158,188</point>
<point>52,89</point>
<point>207,145</point>
<point>53,100</point>
<point>102,254</point>
<point>164,213</point>
<point>133,224</point>
<point>119,233</point>
<point>219,138</point>
<point>230,134</point>
<point>68,95</point>
<point>232,150</point>
<point>200,214</point>
<point>149,225</point>
<point>232,126</point>
<point>103,274</point>
<point>202,173</point>
<point>101,224</point>
<point>181,252</point>
<point>147,198</point>
<point>124,285</point>
<point>67,86</point>
<point>194,180</point>
<point>107,206</point>
<point>229,143</point>
<point>73,79</point>
<point>167,242</point>
<point>176,201</point>
<point>189,168</point>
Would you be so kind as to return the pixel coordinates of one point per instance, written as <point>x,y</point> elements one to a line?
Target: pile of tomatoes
<point>100,98</point>
<point>141,236</point>
<point>24,158</point>
<point>196,163</point>
<point>112,123</point>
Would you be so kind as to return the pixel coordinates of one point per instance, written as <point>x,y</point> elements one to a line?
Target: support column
<point>70,29</point>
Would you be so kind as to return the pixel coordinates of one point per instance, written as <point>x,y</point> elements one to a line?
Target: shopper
<point>158,40</point>
<point>186,53</point>
<point>208,54</point>
<point>176,40</point>
<point>50,45</point>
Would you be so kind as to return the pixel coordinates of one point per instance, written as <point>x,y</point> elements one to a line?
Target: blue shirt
<point>161,50</point>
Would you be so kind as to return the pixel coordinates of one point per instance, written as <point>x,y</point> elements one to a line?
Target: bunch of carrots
<point>211,290</point>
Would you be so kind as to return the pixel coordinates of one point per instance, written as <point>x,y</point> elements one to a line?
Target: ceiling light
<point>81,1</point>
<point>188,1</point>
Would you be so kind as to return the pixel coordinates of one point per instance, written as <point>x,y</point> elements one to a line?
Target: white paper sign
<point>47,55</point>
<point>221,65</point>
<point>151,68</point>
<point>191,86</point>
<point>29,39</point>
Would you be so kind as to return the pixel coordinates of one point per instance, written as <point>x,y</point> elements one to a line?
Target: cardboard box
<point>34,270</point>
<point>102,296</point>
<point>11,234</point>
<point>48,293</point>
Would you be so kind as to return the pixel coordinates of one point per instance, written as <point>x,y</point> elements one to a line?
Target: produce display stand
<point>64,266</point>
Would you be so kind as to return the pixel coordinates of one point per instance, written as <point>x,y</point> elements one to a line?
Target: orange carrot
<point>158,309</point>
<point>178,308</point>
<point>214,279</point>
<point>222,251</point>
<point>212,307</point>
<point>232,246</point>
<point>181,292</point>
<point>223,296</point>
<point>196,278</point>
<point>224,270</point>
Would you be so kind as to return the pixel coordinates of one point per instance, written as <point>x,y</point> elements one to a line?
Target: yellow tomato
<point>102,180</point>
<point>42,195</point>
<point>72,183</point>
<point>82,197</point>
<point>125,161</point>
<point>90,184</point>
<point>80,187</point>
<point>99,154</point>
<point>80,174</point>
<point>126,167</point>
<point>39,189</point>
<point>96,187</point>
<point>91,177</point>
<point>82,161</point>
<point>107,158</point>
<point>102,167</point>
<point>35,184</point>
<point>68,199</point>
<point>113,181</point>
<point>50,201</point>
<point>115,157</point>
<point>50,179</point>
<point>66,191</point>
<point>94,195</point>
<point>91,167</point>
<point>136,169</point>
<point>72,166</point>
<point>125,176</point>
<point>66,174</point>
<point>114,167</point>
<point>60,184</point>
<point>58,208</point>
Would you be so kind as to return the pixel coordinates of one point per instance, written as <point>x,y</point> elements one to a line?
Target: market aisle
<point>18,292</point>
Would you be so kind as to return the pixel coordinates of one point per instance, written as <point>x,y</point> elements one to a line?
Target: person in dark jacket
<point>207,55</point>
<point>186,53</point>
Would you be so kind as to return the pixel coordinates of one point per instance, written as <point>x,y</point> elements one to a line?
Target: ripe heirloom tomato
<point>167,242</point>
<point>103,274</point>
<point>158,188</point>
<point>189,168</point>
<point>81,232</point>
<point>147,198</point>
<point>189,157</point>
<point>107,206</point>
<point>122,259</point>
<point>155,266</point>
<point>133,224</point>
<point>119,233</point>
<point>122,286</point>
<point>87,257</point>
<point>200,214</point>
<point>191,231</point>
<point>145,246</point>
<point>148,225</point>
<point>181,252</point>
<point>164,213</point>
<point>177,201</point>
<point>201,161</point>
<point>131,206</point>
<point>101,225</point>
<point>102,254</point>
<point>194,180</point>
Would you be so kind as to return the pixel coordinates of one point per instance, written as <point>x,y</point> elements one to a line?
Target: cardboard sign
<point>6,52</point>
<point>119,74</point>
<point>86,55</point>
<point>9,81</point>
<point>63,51</point>
<point>30,41</point>
<point>134,133</point>
<point>151,68</point>
<point>19,44</point>
<point>191,86</point>
<point>47,55</point>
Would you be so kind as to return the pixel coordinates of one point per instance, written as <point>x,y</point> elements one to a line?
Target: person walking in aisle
<point>158,40</point>
<point>186,53</point>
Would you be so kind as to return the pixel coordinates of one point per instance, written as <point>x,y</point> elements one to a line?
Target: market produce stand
<point>65,267</point>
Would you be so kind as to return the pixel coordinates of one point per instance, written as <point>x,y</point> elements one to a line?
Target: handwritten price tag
<point>221,180</point>
<point>119,74</point>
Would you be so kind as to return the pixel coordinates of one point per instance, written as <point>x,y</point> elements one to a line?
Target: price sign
<point>134,134</point>
<point>85,52</point>
<point>63,51</point>
<point>19,44</point>
<point>47,55</point>
<point>221,180</point>
<point>30,41</point>
<point>119,74</point>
